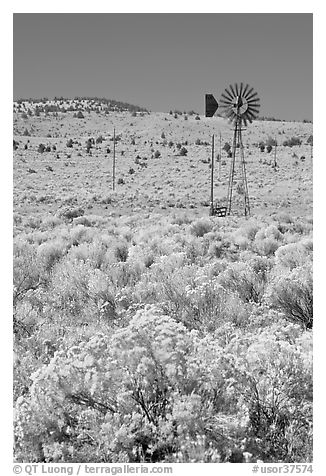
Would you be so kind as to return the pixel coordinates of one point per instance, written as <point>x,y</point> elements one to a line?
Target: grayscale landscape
<point>148,329</point>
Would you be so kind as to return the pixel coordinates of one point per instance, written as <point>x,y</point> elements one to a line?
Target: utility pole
<point>220,164</point>
<point>211,211</point>
<point>113,165</point>
<point>311,149</point>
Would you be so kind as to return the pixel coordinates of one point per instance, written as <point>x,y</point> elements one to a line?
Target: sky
<point>167,61</point>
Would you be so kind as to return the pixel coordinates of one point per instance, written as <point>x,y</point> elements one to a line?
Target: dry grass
<point>69,176</point>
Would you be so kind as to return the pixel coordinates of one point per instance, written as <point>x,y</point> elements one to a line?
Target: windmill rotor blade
<point>255,102</point>
<point>233,92</point>
<point>253,109</point>
<point>251,116</point>
<point>231,116</point>
<point>253,99</point>
<point>240,104</point>
<point>252,96</point>
<point>249,113</point>
<point>226,99</point>
<point>245,90</point>
<point>228,105</point>
<point>228,93</point>
<point>249,93</point>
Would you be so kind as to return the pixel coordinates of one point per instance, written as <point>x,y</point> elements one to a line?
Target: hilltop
<point>84,104</point>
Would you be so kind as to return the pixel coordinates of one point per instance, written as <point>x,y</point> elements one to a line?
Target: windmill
<point>240,105</point>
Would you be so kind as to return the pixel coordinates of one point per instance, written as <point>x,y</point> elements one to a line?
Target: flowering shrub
<point>80,234</point>
<point>279,394</point>
<point>50,253</point>
<point>247,280</point>
<point>266,246</point>
<point>145,391</point>
<point>123,383</point>
<point>200,227</point>
<point>26,272</point>
<point>121,252</point>
<point>147,340</point>
<point>292,293</point>
<point>293,254</point>
<point>27,280</point>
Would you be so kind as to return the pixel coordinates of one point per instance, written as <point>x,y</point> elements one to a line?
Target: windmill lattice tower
<point>240,105</point>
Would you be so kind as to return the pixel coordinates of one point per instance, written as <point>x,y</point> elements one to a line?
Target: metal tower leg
<point>232,170</point>
<point>237,140</point>
<point>244,177</point>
